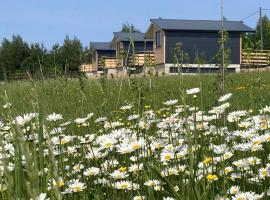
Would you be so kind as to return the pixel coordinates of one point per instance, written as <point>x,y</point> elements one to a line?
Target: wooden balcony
<point>109,63</point>
<point>86,68</point>
<point>142,58</point>
<point>255,58</point>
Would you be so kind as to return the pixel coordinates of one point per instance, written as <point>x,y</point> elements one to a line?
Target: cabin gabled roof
<point>126,37</point>
<point>101,46</point>
<point>200,25</point>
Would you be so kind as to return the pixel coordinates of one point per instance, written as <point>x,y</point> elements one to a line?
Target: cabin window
<point>158,39</point>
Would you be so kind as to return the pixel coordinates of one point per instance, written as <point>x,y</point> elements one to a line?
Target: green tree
<point>71,54</point>
<point>253,40</point>
<point>129,28</point>
<point>35,59</point>
<point>13,53</point>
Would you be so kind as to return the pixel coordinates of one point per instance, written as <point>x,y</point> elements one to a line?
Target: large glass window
<point>158,39</point>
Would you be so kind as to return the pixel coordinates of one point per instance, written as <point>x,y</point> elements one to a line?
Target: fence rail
<point>38,76</point>
<point>109,62</point>
<point>86,68</point>
<point>139,58</point>
<point>259,58</point>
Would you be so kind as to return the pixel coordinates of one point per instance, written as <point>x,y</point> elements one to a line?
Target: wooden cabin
<point>123,42</point>
<point>199,39</point>
<point>103,55</point>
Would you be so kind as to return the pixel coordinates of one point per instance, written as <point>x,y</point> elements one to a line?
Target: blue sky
<point>49,21</point>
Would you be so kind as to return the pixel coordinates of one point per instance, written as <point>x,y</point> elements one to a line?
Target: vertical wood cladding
<point>202,43</point>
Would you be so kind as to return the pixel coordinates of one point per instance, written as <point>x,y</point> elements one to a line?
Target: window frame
<point>158,39</point>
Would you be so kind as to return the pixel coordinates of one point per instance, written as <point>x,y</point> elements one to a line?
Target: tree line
<point>16,55</point>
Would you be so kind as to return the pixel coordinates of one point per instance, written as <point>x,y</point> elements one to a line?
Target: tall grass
<point>96,148</point>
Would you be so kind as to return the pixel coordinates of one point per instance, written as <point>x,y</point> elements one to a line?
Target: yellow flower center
<point>60,184</point>
<point>227,170</point>
<point>264,172</point>
<point>136,146</point>
<point>124,186</point>
<point>77,189</point>
<point>122,169</point>
<point>168,157</point>
<point>108,145</point>
<point>239,198</point>
<point>212,177</point>
<point>207,160</point>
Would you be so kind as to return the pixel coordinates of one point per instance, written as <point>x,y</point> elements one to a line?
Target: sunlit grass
<point>145,138</point>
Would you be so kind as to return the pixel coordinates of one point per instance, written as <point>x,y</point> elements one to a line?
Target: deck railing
<point>142,58</point>
<point>258,58</point>
<point>108,62</point>
<point>86,68</point>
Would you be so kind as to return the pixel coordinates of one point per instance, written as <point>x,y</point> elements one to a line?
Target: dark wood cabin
<point>123,41</point>
<point>198,37</point>
<point>101,50</point>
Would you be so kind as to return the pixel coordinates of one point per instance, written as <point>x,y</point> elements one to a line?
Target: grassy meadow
<point>141,138</point>
<point>75,97</point>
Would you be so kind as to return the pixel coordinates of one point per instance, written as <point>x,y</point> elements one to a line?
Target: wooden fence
<point>259,58</point>
<point>86,68</point>
<point>38,76</point>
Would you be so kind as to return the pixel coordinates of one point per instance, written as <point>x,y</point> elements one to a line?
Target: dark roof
<point>200,25</point>
<point>101,46</point>
<point>124,36</point>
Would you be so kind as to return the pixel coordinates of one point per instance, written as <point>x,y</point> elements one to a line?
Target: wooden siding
<point>159,52</point>
<point>204,44</point>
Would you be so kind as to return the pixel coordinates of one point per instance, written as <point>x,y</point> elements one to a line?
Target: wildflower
<point>207,160</point>
<point>7,106</point>
<point>170,102</point>
<point>234,190</point>
<point>139,198</point>
<point>133,117</point>
<point>225,97</point>
<point>126,107</point>
<point>236,115</point>
<point>152,183</point>
<point>168,198</point>
<point>54,117</point>
<point>78,167</point>
<point>265,110</point>
<point>101,120</point>
<point>228,169</point>
<point>3,188</point>
<point>76,186</point>
<point>123,185</point>
<point>166,156</point>
<point>106,141</point>
<point>212,177</point>
<point>193,91</point>
<point>92,171</point>
<point>264,172</point>
<point>122,169</point>
<point>117,174</point>
<point>137,144</point>
<point>176,188</point>
<point>22,120</point>
<point>41,196</point>
<point>135,168</point>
